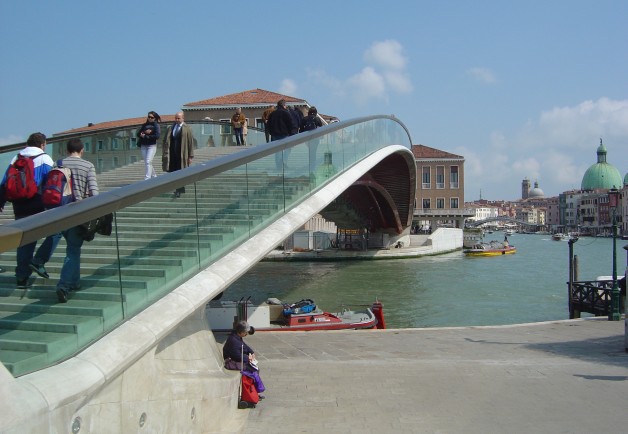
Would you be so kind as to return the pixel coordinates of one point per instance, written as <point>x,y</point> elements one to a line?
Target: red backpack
<point>20,182</point>
<point>57,190</point>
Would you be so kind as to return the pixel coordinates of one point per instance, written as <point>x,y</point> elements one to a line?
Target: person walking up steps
<point>25,207</point>
<point>84,185</point>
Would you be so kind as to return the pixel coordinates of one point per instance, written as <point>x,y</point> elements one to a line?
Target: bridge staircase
<point>153,247</point>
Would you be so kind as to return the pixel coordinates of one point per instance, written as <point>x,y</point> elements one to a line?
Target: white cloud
<point>527,167</point>
<point>320,77</point>
<point>584,124</point>
<point>288,87</point>
<point>556,149</point>
<point>386,54</point>
<point>398,81</point>
<point>367,85</point>
<point>484,75</point>
<point>384,73</point>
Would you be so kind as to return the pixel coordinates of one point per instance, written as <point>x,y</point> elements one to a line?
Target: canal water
<point>444,290</point>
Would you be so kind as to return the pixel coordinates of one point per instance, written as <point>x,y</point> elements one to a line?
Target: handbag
<point>101,225</point>
<point>232,365</point>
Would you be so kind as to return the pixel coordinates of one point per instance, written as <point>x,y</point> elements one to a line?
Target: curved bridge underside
<point>380,200</point>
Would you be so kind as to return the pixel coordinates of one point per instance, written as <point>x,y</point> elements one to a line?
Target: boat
<point>509,232</point>
<point>493,248</point>
<point>559,236</point>
<point>305,315</point>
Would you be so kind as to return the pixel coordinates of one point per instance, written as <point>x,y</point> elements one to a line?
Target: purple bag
<point>259,386</point>
<point>232,365</point>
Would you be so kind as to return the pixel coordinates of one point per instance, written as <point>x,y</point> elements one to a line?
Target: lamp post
<point>615,314</point>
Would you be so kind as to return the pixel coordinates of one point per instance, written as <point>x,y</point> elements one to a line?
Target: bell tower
<point>525,188</point>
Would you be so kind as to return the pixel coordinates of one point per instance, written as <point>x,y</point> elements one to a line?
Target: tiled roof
<point>421,151</point>
<point>113,124</point>
<point>248,97</point>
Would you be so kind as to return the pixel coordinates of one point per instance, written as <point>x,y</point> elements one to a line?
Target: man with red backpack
<point>21,185</point>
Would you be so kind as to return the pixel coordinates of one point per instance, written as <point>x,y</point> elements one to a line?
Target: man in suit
<point>178,148</point>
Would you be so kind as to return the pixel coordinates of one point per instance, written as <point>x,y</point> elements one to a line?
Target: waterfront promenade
<point>552,377</point>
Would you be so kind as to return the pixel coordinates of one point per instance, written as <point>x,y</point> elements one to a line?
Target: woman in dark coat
<point>235,351</point>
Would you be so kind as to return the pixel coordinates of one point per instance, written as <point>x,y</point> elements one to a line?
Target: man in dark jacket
<point>281,126</point>
<point>280,122</point>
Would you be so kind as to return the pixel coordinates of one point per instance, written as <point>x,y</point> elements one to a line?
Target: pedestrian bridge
<point>132,348</point>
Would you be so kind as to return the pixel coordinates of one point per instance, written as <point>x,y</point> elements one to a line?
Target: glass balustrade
<point>159,241</point>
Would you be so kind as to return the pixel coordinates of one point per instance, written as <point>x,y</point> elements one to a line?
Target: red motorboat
<point>275,316</point>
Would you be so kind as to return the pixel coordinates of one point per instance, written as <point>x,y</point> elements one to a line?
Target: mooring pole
<point>571,275</point>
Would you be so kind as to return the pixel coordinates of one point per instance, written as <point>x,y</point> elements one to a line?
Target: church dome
<point>601,175</point>
<point>536,192</point>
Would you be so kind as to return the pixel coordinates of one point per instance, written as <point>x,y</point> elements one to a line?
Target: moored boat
<point>493,248</point>
<point>559,236</point>
<point>276,316</point>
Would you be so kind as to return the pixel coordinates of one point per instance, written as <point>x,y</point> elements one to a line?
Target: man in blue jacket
<point>26,263</point>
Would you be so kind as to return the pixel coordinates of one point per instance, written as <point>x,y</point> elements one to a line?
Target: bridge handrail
<point>160,241</point>
<point>32,228</point>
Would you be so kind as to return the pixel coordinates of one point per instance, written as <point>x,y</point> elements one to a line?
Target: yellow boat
<point>494,248</point>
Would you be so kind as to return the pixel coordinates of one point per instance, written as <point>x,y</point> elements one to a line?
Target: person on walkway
<point>148,134</point>
<point>239,356</point>
<point>178,148</point>
<point>237,122</point>
<point>84,185</point>
<point>265,116</point>
<point>26,263</point>
<point>280,126</point>
<point>309,123</point>
<point>296,119</point>
<point>245,131</point>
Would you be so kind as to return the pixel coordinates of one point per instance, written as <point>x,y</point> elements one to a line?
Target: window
<point>440,203</point>
<point>453,177</point>
<point>133,142</point>
<point>426,177</point>
<point>259,123</point>
<point>101,145</point>
<point>87,147</point>
<point>114,143</point>
<point>440,176</point>
<point>453,202</point>
<point>426,204</point>
<point>225,129</point>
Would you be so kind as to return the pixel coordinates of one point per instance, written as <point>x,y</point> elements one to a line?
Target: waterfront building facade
<point>439,198</point>
<point>552,215</point>
<point>482,212</point>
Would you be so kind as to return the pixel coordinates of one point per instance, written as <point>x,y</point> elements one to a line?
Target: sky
<point>520,89</point>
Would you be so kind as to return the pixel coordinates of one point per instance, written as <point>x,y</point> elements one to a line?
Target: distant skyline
<point>520,89</point>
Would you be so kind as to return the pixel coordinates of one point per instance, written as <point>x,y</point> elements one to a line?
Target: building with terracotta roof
<point>252,102</point>
<point>440,188</point>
